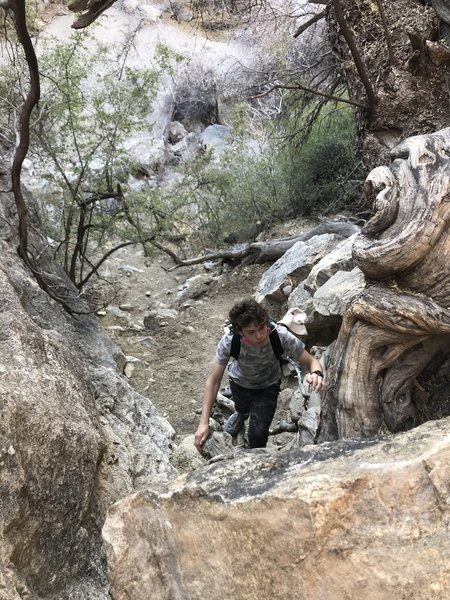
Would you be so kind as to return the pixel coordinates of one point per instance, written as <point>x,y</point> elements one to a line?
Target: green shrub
<point>273,178</point>
<point>79,141</point>
<point>325,174</point>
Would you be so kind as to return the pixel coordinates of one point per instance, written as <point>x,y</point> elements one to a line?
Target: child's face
<point>255,333</point>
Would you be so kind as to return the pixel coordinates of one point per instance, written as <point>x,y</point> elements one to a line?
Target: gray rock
<point>336,294</point>
<point>118,313</point>
<point>126,307</point>
<point>339,259</point>
<point>180,11</point>
<point>218,444</point>
<point>294,266</point>
<point>297,405</point>
<point>314,400</point>
<point>150,14</point>
<point>194,287</point>
<point>302,298</point>
<point>308,425</point>
<point>215,136</point>
<point>159,314</point>
<point>128,269</point>
<point>143,150</point>
<point>285,397</point>
<point>177,132</point>
<point>186,457</point>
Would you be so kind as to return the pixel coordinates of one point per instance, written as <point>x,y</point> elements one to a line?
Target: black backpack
<point>274,338</point>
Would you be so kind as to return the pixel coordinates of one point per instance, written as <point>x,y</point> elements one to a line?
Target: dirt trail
<point>174,359</point>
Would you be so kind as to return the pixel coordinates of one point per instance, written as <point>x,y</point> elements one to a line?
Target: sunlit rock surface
<point>348,520</point>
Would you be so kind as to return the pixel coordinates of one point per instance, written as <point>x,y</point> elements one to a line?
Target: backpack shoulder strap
<point>276,343</point>
<point>235,348</point>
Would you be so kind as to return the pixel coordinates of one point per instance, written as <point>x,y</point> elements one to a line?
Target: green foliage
<point>165,57</point>
<point>91,104</point>
<point>324,175</point>
<point>87,113</point>
<point>10,98</point>
<point>270,177</point>
<point>195,202</point>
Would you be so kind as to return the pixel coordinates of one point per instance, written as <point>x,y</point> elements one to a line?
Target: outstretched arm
<point>312,364</point>
<point>209,396</point>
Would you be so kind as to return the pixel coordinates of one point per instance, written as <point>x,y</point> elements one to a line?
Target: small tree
<point>81,129</point>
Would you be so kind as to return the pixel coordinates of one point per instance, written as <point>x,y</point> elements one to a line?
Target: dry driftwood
<point>402,319</point>
<point>270,250</point>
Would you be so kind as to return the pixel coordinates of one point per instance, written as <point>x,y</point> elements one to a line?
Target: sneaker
<point>235,423</point>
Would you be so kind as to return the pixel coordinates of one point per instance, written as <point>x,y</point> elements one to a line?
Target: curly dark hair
<point>245,312</point>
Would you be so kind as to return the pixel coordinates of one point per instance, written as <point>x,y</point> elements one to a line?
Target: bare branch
<point>299,86</point>
<point>31,100</point>
<point>386,31</point>
<point>92,11</point>
<point>308,23</point>
<point>95,268</point>
<point>18,8</point>
<point>360,66</point>
<point>166,250</point>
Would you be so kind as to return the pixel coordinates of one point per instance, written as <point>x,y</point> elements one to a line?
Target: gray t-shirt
<point>257,367</point>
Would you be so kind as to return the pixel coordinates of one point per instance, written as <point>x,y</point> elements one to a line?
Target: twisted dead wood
<point>402,319</point>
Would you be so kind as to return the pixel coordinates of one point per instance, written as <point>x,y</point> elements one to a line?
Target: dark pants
<point>260,406</point>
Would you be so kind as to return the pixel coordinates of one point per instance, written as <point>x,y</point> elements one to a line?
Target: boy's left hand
<point>315,381</point>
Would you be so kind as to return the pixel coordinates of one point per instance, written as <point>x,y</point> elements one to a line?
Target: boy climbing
<point>254,374</point>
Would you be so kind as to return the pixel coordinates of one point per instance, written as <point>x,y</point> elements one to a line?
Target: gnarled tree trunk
<point>402,318</point>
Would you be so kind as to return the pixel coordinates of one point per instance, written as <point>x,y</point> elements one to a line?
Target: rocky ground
<point>174,358</point>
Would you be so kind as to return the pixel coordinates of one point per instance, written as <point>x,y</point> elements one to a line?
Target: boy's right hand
<point>201,435</point>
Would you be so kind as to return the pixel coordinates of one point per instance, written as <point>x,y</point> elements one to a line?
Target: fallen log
<point>267,250</point>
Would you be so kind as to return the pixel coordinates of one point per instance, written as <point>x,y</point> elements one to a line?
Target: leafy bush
<point>270,178</point>
<point>325,174</point>
<point>91,103</point>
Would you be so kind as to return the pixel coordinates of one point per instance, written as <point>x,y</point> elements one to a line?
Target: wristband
<point>319,373</point>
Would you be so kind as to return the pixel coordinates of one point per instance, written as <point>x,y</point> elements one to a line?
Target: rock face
<point>348,520</point>
<point>334,296</point>
<point>324,278</point>
<point>296,263</point>
<point>74,437</point>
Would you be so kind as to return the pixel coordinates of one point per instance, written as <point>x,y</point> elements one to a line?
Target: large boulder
<point>339,259</point>
<point>74,436</point>
<point>51,451</point>
<point>345,520</point>
<point>294,266</point>
<point>215,136</point>
<point>327,289</point>
<point>334,296</point>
